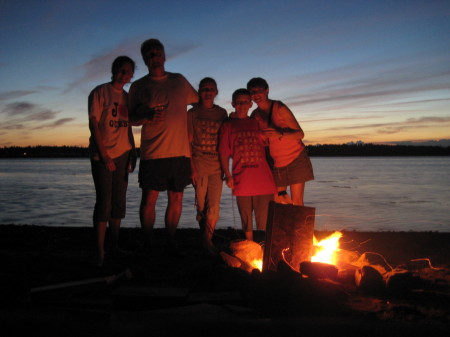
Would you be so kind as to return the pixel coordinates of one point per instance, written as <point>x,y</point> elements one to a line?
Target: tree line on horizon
<point>322,150</point>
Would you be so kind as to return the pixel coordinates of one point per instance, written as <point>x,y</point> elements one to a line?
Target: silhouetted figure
<point>204,121</point>
<point>158,102</point>
<point>112,152</point>
<point>251,180</point>
<point>291,164</point>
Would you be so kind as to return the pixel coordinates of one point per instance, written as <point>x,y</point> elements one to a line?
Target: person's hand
<point>270,133</point>
<point>109,163</point>
<point>160,113</point>
<point>144,112</point>
<point>194,177</point>
<point>132,162</point>
<point>229,181</point>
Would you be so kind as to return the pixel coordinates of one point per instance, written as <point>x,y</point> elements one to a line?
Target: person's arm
<point>191,94</point>
<point>133,153</point>
<point>293,129</point>
<point>281,114</point>
<point>191,140</point>
<point>139,113</point>
<point>224,156</point>
<point>94,106</point>
<point>224,163</point>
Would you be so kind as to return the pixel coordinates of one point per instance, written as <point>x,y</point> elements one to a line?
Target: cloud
<point>98,68</point>
<point>18,108</point>
<point>14,94</point>
<point>25,115</point>
<point>43,115</point>
<point>421,79</point>
<point>395,127</point>
<point>26,111</point>
<point>56,123</point>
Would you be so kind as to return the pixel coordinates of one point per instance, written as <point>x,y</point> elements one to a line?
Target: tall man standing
<point>158,102</point>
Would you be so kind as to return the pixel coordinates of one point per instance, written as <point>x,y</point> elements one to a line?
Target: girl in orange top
<point>291,164</point>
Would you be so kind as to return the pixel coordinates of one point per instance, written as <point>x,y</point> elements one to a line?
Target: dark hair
<point>241,91</point>
<point>149,45</point>
<point>119,62</point>
<point>257,82</point>
<point>207,80</point>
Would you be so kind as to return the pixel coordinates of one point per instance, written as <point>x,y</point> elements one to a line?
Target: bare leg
<point>297,193</point>
<point>147,213</point>
<point>100,229</point>
<point>114,228</point>
<point>245,207</point>
<point>173,213</point>
<point>282,199</point>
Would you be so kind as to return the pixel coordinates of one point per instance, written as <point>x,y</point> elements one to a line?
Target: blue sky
<point>376,71</point>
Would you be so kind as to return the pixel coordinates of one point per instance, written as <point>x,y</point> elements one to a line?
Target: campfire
<point>290,242</point>
<point>249,254</point>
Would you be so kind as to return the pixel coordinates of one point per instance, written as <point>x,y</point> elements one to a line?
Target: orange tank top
<point>283,150</point>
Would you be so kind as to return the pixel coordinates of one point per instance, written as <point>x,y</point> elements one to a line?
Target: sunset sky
<point>376,71</point>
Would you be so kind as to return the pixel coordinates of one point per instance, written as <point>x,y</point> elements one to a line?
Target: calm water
<point>375,194</point>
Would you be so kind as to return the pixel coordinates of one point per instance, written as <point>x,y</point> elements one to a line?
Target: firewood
<point>346,275</point>
<point>369,279</point>
<point>230,260</point>
<point>246,250</point>
<point>374,260</point>
<point>285,270</point>
<point>319,270</point>
<point>400,280</point>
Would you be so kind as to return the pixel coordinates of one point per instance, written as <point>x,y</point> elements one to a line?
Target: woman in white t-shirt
<point>112,152</point>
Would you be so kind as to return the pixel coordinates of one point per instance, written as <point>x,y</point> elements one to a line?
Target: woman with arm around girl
<point>291,164</point>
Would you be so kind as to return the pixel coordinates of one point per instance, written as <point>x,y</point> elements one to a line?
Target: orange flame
<point>326,249</point>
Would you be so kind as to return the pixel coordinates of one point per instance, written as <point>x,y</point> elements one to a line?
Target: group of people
<point>181,146</point>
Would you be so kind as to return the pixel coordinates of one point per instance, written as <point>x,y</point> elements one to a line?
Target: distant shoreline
<point>327,150</point>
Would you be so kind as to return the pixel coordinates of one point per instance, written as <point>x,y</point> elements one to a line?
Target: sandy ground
<point>48,285</point>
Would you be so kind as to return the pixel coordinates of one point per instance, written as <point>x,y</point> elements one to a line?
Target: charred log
<point>369,279</point>
<point>318,270</point>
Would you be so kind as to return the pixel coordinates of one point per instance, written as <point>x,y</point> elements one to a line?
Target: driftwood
<point>230,260</point>
<point>400,280</point>
<point>146,297</point>
<point>318,270</point>
<point>369,279</point>
<point>374,260</point>
<point>83,284</point>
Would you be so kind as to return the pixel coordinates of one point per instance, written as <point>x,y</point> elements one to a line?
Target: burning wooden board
<point>289,233</point>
